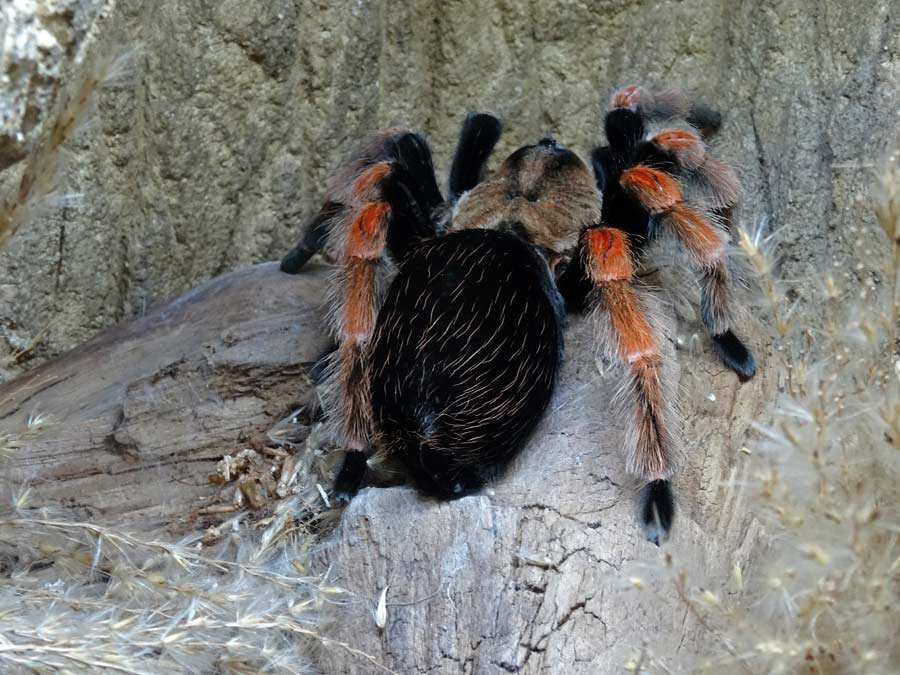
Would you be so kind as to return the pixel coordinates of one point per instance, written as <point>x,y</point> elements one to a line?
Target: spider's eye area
<point>542,193</point>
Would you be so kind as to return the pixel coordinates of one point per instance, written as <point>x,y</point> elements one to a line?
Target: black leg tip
<point>294,261</point>
<point>657,511</point>
<point>735,355</point>
<point>486,127</point>
<point>342,498</point>
<point>465,484</point>
<point>449,483</point>
<point>707,120</point>
<point>350,477</point>
<point>480,133</point>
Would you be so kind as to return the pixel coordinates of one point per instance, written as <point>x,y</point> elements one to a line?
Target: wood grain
<point>139,416</point>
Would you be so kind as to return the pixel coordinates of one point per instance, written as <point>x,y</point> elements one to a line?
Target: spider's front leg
<point>480,133</point>
<point>705,244</point>
<point>386,210</point>
<point>409,155</point>
<point>314,237</point>
<point>668,180</point>
<point>628,335</point>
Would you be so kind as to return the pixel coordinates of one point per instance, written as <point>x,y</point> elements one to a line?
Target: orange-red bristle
<point>626,97</point>
<point>359,306</point>
<point>702,240</point>
<point>364,188</point>
<point>609,256</point>
<point>368,231</point>
<point>676,138</point>
<point>685,145</point>
<point>655,190</point>
<point>634,333</point>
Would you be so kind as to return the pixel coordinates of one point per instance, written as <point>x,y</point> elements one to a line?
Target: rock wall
<point>221,148</point>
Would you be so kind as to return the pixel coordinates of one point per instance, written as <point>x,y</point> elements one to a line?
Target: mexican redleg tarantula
<point>449,315</point>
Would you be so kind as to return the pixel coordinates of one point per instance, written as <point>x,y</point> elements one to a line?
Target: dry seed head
<point>711,598</point>
<point>737,576</point>
<point>887,198</point>
<point>43,165</point>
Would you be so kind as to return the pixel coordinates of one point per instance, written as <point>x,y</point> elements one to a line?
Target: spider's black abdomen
<point>464,357</point>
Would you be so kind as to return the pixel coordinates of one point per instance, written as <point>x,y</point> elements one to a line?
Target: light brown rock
<point>223,146</point>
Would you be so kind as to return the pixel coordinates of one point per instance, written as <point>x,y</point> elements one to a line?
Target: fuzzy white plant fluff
<point>824,483</point>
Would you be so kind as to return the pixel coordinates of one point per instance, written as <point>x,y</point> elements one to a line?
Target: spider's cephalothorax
<point>448,316</point>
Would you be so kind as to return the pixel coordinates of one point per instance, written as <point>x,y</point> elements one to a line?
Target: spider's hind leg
<point>389,209</point>
<point>705,243</point>
<point>670,176</point>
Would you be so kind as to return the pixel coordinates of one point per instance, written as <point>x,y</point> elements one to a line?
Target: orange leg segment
<point>630,337</point>
<point>626,97</point>
<point>656,190</point>
<point>687,147</point>
<point>364,247</point>
<point>661,195</point>
<point>366,186</point>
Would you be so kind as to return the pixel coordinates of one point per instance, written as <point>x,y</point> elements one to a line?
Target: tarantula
<point>448,316</point>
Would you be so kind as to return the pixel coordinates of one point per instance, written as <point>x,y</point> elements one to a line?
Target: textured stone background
<point>222,147</point>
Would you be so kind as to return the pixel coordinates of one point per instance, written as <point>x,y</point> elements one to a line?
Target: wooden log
<point>532,576</point>
<point>138,417</point>
<point>528,577</point>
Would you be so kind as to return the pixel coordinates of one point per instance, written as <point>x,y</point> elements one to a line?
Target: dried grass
<point>41,185</point>
<point>825,484</point>
<point>81,597</point>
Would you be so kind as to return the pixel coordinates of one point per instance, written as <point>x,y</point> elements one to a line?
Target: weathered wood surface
<point>532,578</point>
<point>527,577</point>
<point>138,417</point>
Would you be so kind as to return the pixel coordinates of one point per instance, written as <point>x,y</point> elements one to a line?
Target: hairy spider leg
<point>389,212</point>
<point>625,130</point>
<point>413,193</point>
<point>640,190</point>
<point>408,152</point>
<point>678,151</point>
<point>667,104</point>
<point>705,244</point>
<point>628,335</point>
<point>683,152</point>
<point>477,138</point>
<point>314,236</point>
